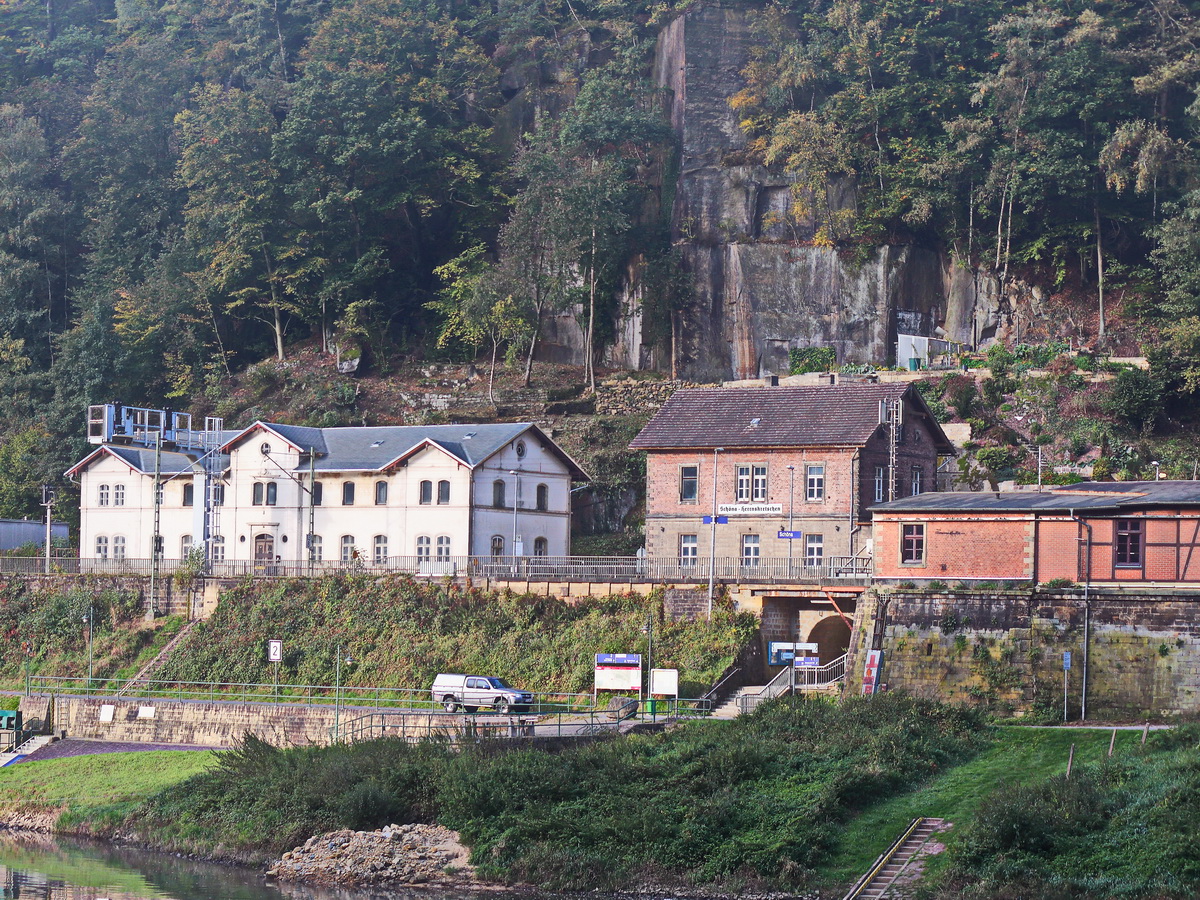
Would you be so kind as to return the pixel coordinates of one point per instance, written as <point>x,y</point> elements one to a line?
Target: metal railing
<point>520,568</point>
<point>798,677</point>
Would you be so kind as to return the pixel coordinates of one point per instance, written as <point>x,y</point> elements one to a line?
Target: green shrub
<point>802,360</point>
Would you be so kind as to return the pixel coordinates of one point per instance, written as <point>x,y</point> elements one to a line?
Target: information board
<point>618,672</point>
<point>870,682</point>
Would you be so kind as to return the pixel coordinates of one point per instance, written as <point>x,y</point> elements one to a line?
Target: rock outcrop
<point>395,855</point>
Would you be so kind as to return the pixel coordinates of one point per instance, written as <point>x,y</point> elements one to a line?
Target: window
<point>381,493</point>
<point>272,493</point>
<point>751,549</point>
<point>912,545</point>
<point>218,494</point>
<point>814,549</point>
<point>443,547</point>
<point>916,480</point>
<point>543,498</point>
<point>880,483</point>
<point>443,493</point>
<point>316,548</point>
<point>101,547</point>
<point>185,546</point>
<point>218,548</point>
<point>816,482</point>
<point>265,492</point>
<point>102,495</point>
<point>423,548</point>
<point>541,547</point>
<point>742,484</point>
<point>349,554</point>
<point>689,550</point>
<point>689,483</point>
<point>256,498</point>
<point>426,493</point>
<point>347,493</point>
<point>118,545</point>
<point>318,493</point>
<point>118,495</point>
<point>759,487</point>
<point>520,449</point>
<point>380,549</point>
<point>497,545</point>
<point>498,494</point>
<point>1129,542</point>
<point>189,494</point>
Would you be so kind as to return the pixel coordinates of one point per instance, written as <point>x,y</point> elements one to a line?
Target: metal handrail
<point>882,860</point>
<point>520,568</point>
<point>832,672</point>
<point>715,689</point>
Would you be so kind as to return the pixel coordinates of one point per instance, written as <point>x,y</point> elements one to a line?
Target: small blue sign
<point>785,535</point>
<point>1066,659</point>
<point>808,662</point>
<point>721,520</point>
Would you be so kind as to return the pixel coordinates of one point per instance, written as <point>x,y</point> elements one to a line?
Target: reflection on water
<point>41,867</point>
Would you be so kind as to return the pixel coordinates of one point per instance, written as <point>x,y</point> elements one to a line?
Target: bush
<point>802,360</point>
<point>1136,400</point>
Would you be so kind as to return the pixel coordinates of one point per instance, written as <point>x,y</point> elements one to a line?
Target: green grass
<point>1019,755</point>
<point>99,787</point>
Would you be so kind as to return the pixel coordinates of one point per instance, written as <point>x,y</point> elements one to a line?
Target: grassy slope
<point>97,787</point>
<point>1018,755</point>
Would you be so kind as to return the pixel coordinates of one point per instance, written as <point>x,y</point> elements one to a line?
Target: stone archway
<point>832,637</point>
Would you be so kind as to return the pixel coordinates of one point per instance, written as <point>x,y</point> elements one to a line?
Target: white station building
<point>415,497</point>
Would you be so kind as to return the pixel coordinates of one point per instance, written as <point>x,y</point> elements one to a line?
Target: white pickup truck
<point>475,692</point>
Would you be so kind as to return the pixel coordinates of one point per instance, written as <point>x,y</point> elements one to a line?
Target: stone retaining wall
<point>1005,649</point>
<point>219,723</point>
<point>623,397</point>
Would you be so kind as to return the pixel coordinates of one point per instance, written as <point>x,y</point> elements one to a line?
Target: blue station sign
<point>785,535</point>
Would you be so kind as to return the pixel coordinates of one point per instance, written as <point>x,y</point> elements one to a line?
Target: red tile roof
<point>822,416</point>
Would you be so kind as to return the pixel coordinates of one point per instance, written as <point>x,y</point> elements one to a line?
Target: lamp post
<point>337,693</point>
<point>1156,465</point>
<point>88,619</point>
<point>791,509</point>
<point>712,542</point>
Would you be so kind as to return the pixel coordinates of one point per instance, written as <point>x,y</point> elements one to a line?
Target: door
<point>264,554</point>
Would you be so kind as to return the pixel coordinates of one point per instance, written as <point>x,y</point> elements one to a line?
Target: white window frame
<point>424,544</point>
<point>742,484</point>
<point>880,484</point>
<point>317,550</point>
<point>443,548</point>
<point>119,547</point>
<point>814,482</point>
<point>917,478</point>
<point>689,549</point>
<point>751,550</point>
<point>379,549</point>
<point>346,546</point>
<point>758,489</point>
<point>102,545</point>
<point>118,495</point>
<point>102,495</point>
<point>814,549</point>
<point>218,548</point>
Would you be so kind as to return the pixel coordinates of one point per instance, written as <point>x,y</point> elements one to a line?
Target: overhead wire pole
<point>712,544</point>
<point>156,538</point>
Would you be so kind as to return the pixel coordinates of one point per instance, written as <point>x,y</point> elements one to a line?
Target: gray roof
<point>372,448</point>
<point>1090,496</point>
<point>818,416</point>
<point>142,459</point>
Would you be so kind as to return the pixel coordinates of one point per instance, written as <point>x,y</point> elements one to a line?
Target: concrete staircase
<point>731,708</point>
<point>893,872</point>
<point>30,746</point>
<point>143,676</point>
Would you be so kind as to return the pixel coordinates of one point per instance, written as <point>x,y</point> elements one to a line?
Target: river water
<point>40,867</point>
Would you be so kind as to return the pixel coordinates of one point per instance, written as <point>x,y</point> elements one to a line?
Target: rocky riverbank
<point>394,855</point>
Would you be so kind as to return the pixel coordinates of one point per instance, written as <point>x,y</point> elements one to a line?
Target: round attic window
<point>520,449</point>
<point>265,449</point>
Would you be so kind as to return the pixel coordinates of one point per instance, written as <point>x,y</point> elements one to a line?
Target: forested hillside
<point>188,187</point>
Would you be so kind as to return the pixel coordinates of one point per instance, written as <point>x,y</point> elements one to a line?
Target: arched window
<point>272,493</point>
<point>101,547</point>
<point>316,548</point>
<point>349,554</point>
<point>423,548</point>
<point>443,492</point>
<point>347,493</point>
<point>118,545</point>
<point>218,548</point>
<point>498,494</point>
<point>102,495</point>
<point>318,493</point>
<point>185,546</point>
<point>381,493</point>
<point>541,547</point>
<point>497,545</point>
<point>189,494</point>
<point>543,497</point>
<point>118,495</point>
<point>258,493</point>
<point>380,549</point>
<point>443,547</point>
<point>426,493</point>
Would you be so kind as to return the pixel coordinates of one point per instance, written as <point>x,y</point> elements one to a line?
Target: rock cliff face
<point>759,289</point>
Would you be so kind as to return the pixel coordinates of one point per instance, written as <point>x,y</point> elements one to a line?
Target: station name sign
<point>750,509</point>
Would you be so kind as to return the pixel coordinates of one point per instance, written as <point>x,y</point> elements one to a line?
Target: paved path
<point>76,747</point>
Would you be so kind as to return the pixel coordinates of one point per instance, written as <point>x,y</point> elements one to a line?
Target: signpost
<point>618,672</point>
<point>721,520</point>
<point>1066,671</point>
<point>275,655</point>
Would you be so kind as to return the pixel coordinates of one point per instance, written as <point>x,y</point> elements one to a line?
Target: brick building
<point>763,458</point>
<point>1093,532</point>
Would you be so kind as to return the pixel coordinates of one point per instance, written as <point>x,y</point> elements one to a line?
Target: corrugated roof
<point>818,416</point>
<point>1091,496</point>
